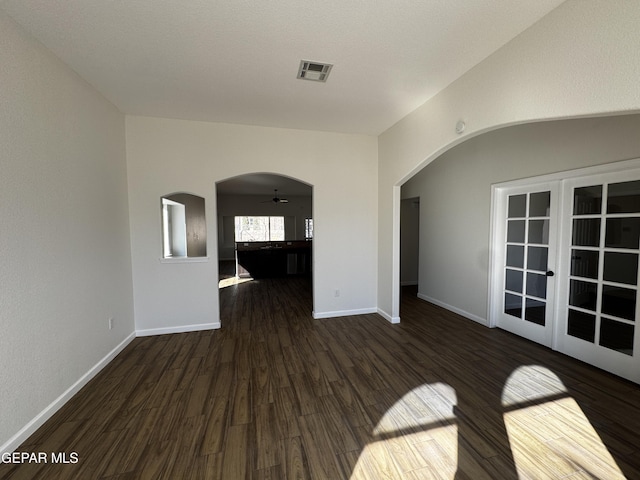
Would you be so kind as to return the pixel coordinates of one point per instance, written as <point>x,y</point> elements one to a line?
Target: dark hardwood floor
<point>275,394</point>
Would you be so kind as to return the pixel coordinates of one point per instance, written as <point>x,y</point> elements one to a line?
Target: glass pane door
<point>601,304</point>
<point>588,308</point>
<point>525,259</point>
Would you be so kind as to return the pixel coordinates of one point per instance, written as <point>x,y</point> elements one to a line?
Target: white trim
<point>184,260</point>
<point>180,329</point>
<point>387,317</point>
<point>395,252</point>
<point>39,420</point>
<point>562,264</point>
<point>491,272</point>
<point>344,313</point>
<point>611,167</point>
<point>470,316</point>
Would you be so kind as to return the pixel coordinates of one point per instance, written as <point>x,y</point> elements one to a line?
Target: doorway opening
<point>264,235</point>
<point>409,244</point>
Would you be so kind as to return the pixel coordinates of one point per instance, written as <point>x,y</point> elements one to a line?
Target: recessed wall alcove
<point>184,230</point>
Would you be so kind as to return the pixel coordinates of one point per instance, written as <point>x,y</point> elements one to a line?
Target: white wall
<point>456,194</point>
<point>65,260</point>
<point>582,59</point>
<point>173,155</point>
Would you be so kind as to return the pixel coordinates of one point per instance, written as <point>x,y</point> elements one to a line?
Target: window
<point>259,229</point>
<point>308,228</point>
<point>184,232</point>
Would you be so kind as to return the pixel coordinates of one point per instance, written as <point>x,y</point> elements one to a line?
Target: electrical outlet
<point>110,323</point>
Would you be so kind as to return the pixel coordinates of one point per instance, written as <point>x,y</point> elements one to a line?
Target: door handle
<point>550,273</point>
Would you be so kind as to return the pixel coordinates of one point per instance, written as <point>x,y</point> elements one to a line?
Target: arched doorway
<point>265,232</point>
<point>456,192</point>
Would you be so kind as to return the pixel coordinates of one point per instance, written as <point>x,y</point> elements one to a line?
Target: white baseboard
<point>181,329</point>
<point>470,316</point>
<point>39,420</point>
<point>388,317</point>
<point>343,313</point>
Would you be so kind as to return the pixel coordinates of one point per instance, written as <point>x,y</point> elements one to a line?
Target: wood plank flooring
<point>275,394</point>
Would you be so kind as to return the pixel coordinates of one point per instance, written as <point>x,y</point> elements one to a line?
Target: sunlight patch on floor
<point>427,453</point>
<point>415,438</point>
<point>229,282</point>
<point>529,384</point>
<point>556,440</point>
<point>424,405</point>
<point>549,434</point>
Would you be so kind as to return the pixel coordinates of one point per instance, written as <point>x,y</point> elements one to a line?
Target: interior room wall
<point>295,212</point>
<point>65,263</point>
<point>455,191</point>
<point>582,59</point>
<point>176,155</point>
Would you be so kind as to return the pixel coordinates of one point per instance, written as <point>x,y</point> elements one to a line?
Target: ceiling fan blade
<point>275,198</point>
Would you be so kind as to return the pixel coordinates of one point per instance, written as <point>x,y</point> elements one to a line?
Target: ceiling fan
<point>276,199</point>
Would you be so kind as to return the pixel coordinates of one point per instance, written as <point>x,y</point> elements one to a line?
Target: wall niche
<point>184,231</point>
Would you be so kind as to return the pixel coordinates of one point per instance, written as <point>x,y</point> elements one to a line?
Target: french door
<point>566,266</point>
<point>527,234</point>
<point>599,294</point>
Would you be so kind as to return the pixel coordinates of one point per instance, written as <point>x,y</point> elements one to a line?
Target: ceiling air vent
<point>318,72</point>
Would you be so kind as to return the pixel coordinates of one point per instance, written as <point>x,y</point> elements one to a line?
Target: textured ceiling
<point>236,61</point>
